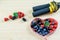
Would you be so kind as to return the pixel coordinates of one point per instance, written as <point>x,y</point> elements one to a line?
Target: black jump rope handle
<point>41,9</point>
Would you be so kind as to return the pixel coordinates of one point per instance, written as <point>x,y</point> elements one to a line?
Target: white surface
<point>18,30</point>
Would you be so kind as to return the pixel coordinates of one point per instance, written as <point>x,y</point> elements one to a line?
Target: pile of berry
<point>44,27</point>
<point>15,16</point>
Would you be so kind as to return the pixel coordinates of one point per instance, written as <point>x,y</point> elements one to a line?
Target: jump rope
<point>43,28</point>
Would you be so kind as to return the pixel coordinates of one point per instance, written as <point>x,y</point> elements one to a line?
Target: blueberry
<point>40,33</point>
<point>44,29</point>
<point>38,21</point>
<point>40,27</point>
<point>46,19</point>
<point>24,19</point>
<point>39,30</point>
<point>43,33</point>
<point>36,27</point>
<point>13,18</point>
<point>33,24</point>
<point>46,33</point>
